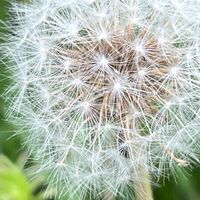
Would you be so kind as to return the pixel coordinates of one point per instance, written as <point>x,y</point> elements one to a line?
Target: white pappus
<point>104,89</point>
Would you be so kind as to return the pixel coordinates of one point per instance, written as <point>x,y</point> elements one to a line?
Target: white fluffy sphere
<point>105,88</point>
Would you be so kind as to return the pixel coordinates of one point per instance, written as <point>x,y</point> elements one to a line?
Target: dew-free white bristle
<point>104,88</point>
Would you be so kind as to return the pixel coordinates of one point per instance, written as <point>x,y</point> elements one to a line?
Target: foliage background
<point>14,183</point>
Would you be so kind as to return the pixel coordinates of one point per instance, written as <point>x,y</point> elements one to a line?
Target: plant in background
<point>107,92</point>
<point>13,184</point>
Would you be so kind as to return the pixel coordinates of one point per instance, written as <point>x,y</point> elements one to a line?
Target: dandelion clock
<point>106,93</point>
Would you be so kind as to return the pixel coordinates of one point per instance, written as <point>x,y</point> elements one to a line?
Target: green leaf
<point>13,184</point>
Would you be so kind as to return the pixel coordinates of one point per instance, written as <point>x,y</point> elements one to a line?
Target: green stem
<point>108,196</point>
<point>143,190</point>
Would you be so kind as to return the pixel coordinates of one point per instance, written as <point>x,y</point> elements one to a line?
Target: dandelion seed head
<point>117,86</point>
<point>142,73</point>
<point>103,88</point>
<point>102,35</point>
<point>103,62</point>
<point>67,64</point>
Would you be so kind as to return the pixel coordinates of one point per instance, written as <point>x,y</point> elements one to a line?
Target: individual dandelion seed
<point>107,92</point>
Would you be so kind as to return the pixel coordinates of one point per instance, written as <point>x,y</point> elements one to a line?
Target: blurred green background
<point>15,184</point>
